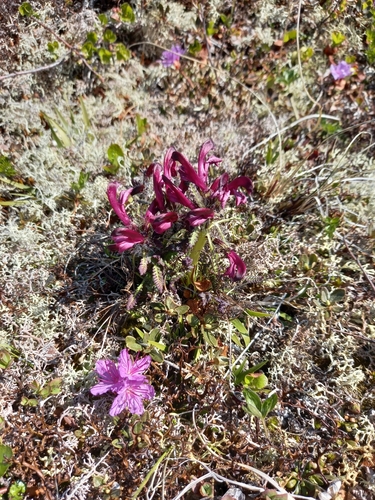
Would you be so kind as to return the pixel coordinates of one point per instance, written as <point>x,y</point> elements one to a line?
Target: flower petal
<point>202,164</point>
<point>237,268</point>
<point>199,216</point>
<point>109,378</point>
<point>125,239</point>
<point>175,195</point>
<point>117,203</point>
<point>163,222</point>
<point>187,172</point>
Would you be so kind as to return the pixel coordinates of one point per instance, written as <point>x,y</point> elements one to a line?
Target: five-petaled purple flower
<point>341,70</point>
<point>172,56</point>
<point>126,380</point>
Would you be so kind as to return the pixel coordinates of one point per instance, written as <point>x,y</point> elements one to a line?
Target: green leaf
<point>88,50</point>
<point>226,20</point>
<point>17,490</point>
<point>29,402</point>
<point>239,326</point>
<point>52,46</point>
<point>92,37</point>
<point>158,345</point>
<point>253,403</point>
<point>6,454</point>
<point>269,404</point>
<point>236,340</point>
<point>211,30</point>
<point>122,52</point>
<point>257,314</point>
<point>141,125</point>
<point>103,19</point>
<point>127,14</point>
<point>157,356</point>
<point>195,47</point>
<point>59,135</point>
<point>105,56</point>
<point>132,344</point>
<point>115,152</point>
<point>256,381</point>
<point>5,358</point>
<point>337,295</point>
<point>181,310</point>
<point>109,36</point>
<point>82,179</point>
<point>209,338</point>
<point>257,367</point>
<point>290,35</point>
<point>85,116</point>
<point>55,385</point>
<point>26,10</point>
<point>337,38</point>
<point>6,167</point>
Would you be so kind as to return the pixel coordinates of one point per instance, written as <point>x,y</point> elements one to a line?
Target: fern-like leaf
<point>131,302</point>
<point>143,265</point>
<point>193,238</point>
<point>158,278</point>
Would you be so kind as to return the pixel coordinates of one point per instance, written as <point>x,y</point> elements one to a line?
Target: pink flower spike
<point>199,216</point>
<point>237,268</point>
<point>118,203</point>
<point>202,163</point>
<point>187,172</point>
<point>244,182</point>
<point>169,165</point>
<point>163,222</point>
<point>124,239</point>
<point>341,70</point>
<point>158,184</point>
<point>175,195</point>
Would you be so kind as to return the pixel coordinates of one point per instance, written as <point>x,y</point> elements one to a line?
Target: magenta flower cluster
<point>126,380</point>
<point>172,202</point>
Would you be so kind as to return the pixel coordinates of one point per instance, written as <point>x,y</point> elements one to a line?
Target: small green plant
<point>17,490</point>
<point>51,388</point>
<point>258,408</point>
<point>80,184</point>
<point>251,378</point>
<point>6,455</point>
<point>337,38</point>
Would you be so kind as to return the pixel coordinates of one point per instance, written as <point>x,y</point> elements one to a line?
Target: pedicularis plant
<point>167,241</point>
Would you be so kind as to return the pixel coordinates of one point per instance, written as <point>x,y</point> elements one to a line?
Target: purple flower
<point>119,201</point>
<point>199,216</point>
<point>126,380</point>
<point>237,268</point>
<point>203,165</point>
<point>341,70</point>
<point>124,239</point>
<point>163,222</point>
<point>172,56</point>
<point>187,172</point>
<point>222,189</point>
<point>175,194</point>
